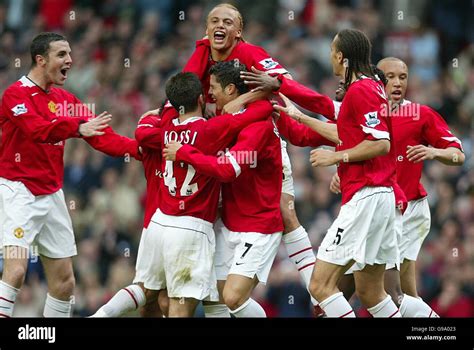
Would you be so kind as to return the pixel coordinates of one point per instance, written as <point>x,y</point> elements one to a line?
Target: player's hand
<point>322,157</point>
<point>260,80</point>
<point>289,108</point>
<point>210,110</point>
<point>420,153</point>
<point>232,107</point>
<point>150,112</point>
<point>171,149</point>
<point>335,185</point>
<point>94,126</point>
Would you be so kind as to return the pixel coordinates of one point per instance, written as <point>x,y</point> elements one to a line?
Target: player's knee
<point>63,287</point>
<point>288,214</point>
<point>318,290</point>
<point>369,295</point>
<point>233,300</point>
<point>164,302</point>
<point>15,275</point>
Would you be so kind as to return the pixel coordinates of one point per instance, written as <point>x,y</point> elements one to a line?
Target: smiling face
<point>221,96</point>
<point>56,63</point>
<point>224,28</point>
<point>396,72</point>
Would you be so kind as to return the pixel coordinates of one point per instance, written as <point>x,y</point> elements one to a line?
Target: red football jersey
<point>148,135</point>
<point>247,54</point>
<point>190,193</point>
<point>251,172</point>
<point>360,119</point>
<point>33,135</point>
<point>309,99</point>
<point>415,124</point>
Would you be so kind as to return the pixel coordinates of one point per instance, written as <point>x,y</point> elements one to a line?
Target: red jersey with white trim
<point>251,172</point>
<point>360,119</point>
<point>247,54</point>
<point>415,124</point>
<point>148,136</point>
<point>185,191</point>
<point>33,135</point>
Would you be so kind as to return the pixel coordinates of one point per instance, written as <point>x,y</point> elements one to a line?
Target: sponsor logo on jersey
<point>19,233</point>
<point>19,109</point>
<point>372,119</point>
<point>52,107</point>
<point>268,63</point>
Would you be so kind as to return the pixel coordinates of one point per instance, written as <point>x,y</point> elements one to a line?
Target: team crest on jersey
<point>268,63</point>
<point>52,107</point>
<point>19,233</point>
<point>19,109</point>
<point>371,119</point>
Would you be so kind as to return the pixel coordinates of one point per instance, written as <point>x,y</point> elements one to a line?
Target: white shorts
<point>398,226</point>
<point>140,266</point>
<point>287,183</point>
<point>247,254</point>
<point>416,226</point>
<point>178,254</point>
<point>363,231</point>
<point>37,223</point>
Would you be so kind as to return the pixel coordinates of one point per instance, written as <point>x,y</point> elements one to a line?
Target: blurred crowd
<point>124,50</point>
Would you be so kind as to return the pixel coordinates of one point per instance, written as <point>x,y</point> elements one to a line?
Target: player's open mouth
<point>219,37</point>
<point>64,72</point>
<point>397,93</point>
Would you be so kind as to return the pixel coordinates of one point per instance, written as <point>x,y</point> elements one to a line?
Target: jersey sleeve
<point>262,61</point>
<point>198,62</point>
<point>365,107</point>
<point>148,132</point>
<point>299,134</point>
<point>18,108</point>
<point>228,165</point>
<point>113,144</point>
<point>309,99</point>
<point>436,132</point>
<point>222,130</point>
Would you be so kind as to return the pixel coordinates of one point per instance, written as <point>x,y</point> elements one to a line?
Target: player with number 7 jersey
<point>180,241</point>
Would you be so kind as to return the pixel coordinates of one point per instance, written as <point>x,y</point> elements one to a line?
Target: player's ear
<point>339,56</point>
<point>239,34</point>
<point>230,89</point>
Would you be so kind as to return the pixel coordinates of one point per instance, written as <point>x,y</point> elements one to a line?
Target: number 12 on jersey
<point>187,188</point>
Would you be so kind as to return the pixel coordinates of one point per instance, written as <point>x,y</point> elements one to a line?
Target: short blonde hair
<point>232,7</point>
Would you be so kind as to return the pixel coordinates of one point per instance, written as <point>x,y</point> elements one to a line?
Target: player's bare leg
<point>297,243</point>
<point>60,276</point>
<point>371,291</point>
<point>182,307</point>
<point>152,306</point>
<point>217,309</point>
<point>408,277</point>
<point>323,287</point>
<point>164,302</point>
<point>237,292</point>
<point>346,285</point>
<point>15,264</point>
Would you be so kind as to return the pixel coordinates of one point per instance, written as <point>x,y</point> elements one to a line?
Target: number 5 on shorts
<point>337,240</point>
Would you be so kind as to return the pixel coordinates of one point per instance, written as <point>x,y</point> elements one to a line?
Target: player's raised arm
<point>19,110</point>
<point>299,134</point>
<point>148,131</point>
<point>326,130</point>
